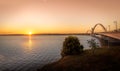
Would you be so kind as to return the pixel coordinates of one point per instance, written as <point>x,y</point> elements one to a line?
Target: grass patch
<point>104,59</point>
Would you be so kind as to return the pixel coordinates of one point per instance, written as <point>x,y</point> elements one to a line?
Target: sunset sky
<point>57,16</point>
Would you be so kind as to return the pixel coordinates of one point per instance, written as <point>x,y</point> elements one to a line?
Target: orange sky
<point>56,16</point>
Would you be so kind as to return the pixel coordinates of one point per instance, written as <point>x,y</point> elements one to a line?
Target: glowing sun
<point>30,33</point>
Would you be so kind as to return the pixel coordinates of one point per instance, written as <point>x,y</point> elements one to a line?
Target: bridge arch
<point>99,25</point>
<point>88,31</point>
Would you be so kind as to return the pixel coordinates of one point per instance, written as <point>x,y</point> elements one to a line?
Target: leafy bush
<point>93,45</point>
<point>71,46</point>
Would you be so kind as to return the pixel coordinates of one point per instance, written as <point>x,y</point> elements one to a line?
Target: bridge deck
<point>112,35</point>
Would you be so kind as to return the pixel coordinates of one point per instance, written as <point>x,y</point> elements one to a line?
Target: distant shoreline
<point>42,34</point>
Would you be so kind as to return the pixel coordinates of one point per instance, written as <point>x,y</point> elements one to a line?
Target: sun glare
<point>30,33</point>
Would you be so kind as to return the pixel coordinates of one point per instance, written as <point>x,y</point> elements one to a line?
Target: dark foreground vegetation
<point>95,59</point>
<point>71,46</point>
<point>104,59</point>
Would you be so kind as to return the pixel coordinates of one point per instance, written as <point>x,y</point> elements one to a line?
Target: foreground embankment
<point>104,59</point>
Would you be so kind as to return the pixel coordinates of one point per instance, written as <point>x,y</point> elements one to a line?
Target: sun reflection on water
<point>29,43</point>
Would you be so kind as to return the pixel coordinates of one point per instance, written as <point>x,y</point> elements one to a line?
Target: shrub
<point>71,46</point>
<point>93,45</point>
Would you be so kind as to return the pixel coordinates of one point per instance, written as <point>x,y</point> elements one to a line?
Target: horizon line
<point>47,34</point>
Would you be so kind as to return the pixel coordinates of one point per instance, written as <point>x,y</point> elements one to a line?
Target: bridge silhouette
<point>99,24</point>
<point>112,35</point>
<point>93,29</point>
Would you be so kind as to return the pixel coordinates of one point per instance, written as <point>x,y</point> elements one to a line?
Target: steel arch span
<point>99,24</point>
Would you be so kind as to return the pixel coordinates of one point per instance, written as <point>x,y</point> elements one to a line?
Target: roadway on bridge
<point>112,35</point>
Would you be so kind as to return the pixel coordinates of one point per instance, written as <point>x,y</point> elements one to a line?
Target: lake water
<point>20,53</point>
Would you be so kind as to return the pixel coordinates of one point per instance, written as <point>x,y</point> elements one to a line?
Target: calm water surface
<point>20,53</point>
